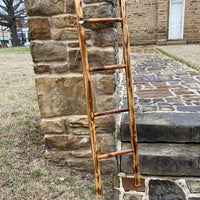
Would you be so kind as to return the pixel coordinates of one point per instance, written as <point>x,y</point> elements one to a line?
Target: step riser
<point>165,127</point>
<point>167,160</point>
<point>159,133</point>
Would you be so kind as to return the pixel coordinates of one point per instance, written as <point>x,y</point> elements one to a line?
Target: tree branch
<point>4,24</point>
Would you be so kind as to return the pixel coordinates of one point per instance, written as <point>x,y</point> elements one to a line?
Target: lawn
<point>15,50</point>
<point>23,171</point>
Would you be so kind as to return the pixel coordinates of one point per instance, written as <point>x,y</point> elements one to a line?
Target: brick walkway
<point>162,84</point>
<point>167,94</point>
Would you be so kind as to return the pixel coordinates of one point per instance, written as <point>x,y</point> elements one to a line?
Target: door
<point>176,19</point>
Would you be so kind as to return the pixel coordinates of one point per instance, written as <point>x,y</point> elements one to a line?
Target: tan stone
<point>106,102</point>
<point>42,68</point>
<point>39,28</point>
<point>75,60</point>
<point>44,7</point>
<point>106,84</point>
<point>106,143</point>
<point>69,34</point>
<point>66,34</point>
<point>60,22</point>
<point>96,57</point>
<point>104,37</point>
<point>101,57</point>
<point>53,67</point>
<point>97,1</point>
<point>59,67</point>
<point>132,197</point>
<point>61,95</point>
<point>105,124</point>
<point>78,124</point>
<point>67,142</point>
<point>109,166</point>
<point>48,51</point>
<point>63,158</point>
<point>53,126</point>
<point>73,44</point>
<point>86,153</point>
<point>101,10</point>
<point>70,6</point>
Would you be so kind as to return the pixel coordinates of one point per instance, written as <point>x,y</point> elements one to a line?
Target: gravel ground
<point>24,173</point>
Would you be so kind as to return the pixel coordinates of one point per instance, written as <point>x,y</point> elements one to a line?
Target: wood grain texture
<point>100,20</point>
<point>109,112</point>
<point>129,87</point>
<point>88,91</point>
<point>88,94</point>
<point>108,155</point>
<point>104,68</point>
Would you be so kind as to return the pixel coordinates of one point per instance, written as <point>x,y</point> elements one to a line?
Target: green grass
<point>9,165</point>
<point>93,190</point>
<point>38,173</point>
<point>15,50</point>
<point>177,59</point>
<point>3,155</point>
<point>5,143</point>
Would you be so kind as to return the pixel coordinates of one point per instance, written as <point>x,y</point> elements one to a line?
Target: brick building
<point>164,21</point>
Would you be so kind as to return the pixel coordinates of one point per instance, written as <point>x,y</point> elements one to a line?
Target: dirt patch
<point>24,173</point>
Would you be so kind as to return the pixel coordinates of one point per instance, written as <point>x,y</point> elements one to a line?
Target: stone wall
<point>59,83</point>
<point>148,21</point>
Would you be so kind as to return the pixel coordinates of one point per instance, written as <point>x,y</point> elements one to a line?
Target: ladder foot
<point>137,180</point>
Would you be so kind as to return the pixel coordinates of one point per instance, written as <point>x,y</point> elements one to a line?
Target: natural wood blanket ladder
<point>88,92</point>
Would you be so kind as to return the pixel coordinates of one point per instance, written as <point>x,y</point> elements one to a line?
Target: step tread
<point>165,159</point>
<point>167,149</point>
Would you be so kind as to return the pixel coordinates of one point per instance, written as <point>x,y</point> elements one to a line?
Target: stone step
<point>164,127</point>
<point>178,42</point>
<point>164,159</point>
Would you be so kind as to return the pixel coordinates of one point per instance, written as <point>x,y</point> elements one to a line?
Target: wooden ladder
<point>88,92</point>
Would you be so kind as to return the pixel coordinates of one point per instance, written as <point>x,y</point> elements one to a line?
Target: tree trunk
<point>13,29</point>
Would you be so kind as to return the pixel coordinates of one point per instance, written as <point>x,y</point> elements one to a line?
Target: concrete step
<point>165,159</point>
<point>178,42</point>
<point>164,127</point>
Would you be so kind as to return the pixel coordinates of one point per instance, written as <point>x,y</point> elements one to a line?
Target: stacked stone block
<point>59,82</point>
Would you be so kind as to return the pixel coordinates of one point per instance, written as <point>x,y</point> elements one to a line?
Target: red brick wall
<point>148,21</point>
<point>142,21</point>
<point>192,21</point>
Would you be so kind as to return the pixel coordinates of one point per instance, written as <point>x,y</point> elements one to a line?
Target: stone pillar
<point>162,24</point>
<point>59,84</point>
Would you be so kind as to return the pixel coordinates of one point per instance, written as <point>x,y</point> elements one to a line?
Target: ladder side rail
<point>88,95</point>
<point>129,87</point>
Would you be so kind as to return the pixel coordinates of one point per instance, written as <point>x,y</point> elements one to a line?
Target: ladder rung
<point>108,155</point>
<point>100,20</point>
<point>95,69</point>
<point>97,114</point>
